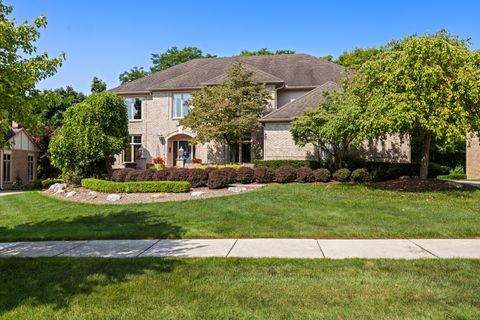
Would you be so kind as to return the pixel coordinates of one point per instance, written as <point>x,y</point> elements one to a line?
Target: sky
<point>103,38</point>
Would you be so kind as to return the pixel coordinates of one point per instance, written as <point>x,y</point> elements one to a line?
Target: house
<point>18,160</point>
<point>297,82</point>
<point>473,158</point>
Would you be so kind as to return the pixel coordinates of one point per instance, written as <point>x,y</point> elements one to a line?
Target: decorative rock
<point>404,178</point>
<point>59,186</point>
<point>237,189</point>
<point>197,193</point>
<point>113,197</point>
<point>53,186</point>
<point>71,194</point>
<point>92,194</point>
<point>59,192</point>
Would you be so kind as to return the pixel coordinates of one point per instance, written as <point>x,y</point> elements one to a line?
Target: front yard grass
<point>218,288</point>
<point>291,211</point>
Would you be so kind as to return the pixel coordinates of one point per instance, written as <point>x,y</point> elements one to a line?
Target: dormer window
<point>134,108</point>
<point>180,105</point>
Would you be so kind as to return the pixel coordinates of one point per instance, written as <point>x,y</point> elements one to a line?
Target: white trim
<point>182,104</point>
<point>7,152</point>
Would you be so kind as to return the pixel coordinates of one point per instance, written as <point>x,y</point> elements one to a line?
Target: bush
<point>342,175</point>
<point>145,175</point>
<point>180,174</point>
<point>162,174</point>
<point>452,176</point>
<point>72,178</point>
<point>197,178</point>
<point>245,175</point>
<point>360,175</point>
<point>378,174</point>
<point>322,175</point>
<point>217,179</point>
<point>275,164</point>
<point>46,183</point>
<point>305,174</point>
<point>121,174</point>
<point>395,173</point>
<point>221,166</point>
<point>230,175</point>
<point>285,174</point>
<point>132,176</point>
<point>264,174</point>
<point>129,187</point>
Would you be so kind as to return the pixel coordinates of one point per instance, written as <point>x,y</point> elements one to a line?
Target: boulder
<point>71,194</point>
<point>59,192</point>
<point>113,197</point>
<point>197,193</point>
<point>53,186</point>
<point>92,194</point>
<point>59,186</point>
<point>237,189</point>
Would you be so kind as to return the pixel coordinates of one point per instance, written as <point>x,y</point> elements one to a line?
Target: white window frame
<point>32,163</point>
<point>132,147</point>
<point>174,109</point>
<point>10,173</point>
<point>131,105</point>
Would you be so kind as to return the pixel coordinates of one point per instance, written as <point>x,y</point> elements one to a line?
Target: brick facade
<point>19,167</point>
<point>473,158</point>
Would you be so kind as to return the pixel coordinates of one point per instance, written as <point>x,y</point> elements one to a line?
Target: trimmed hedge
<point>322,175</point>
<point>275,164</point>
<point>360,175</point>
<point>305,175</point>
<point>217,179</point>
<point>264,174</point>
<point>130,187</point>
<point>285,174</point>
<point>342,175</point>
<point>245,175</point>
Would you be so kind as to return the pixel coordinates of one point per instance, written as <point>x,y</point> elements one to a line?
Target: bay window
<point>180,105</point>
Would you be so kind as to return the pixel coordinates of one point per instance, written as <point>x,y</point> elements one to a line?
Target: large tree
<point>425,86</point>
<point>228,112</point>
<point>355,58</point>
<point>53,103</point>
<point>264,52</point>
<point>21,68</point>
<point>174,56</point>
<point>133,74</point>
<point>98,85</point>
<point>93,131</point>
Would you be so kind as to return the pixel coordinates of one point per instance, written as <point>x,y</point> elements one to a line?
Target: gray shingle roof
<point>293,70</point>
<point>298,106</point>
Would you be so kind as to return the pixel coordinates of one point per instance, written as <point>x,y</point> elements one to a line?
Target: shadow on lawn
<point>125,224</point>
<point>55,281</point>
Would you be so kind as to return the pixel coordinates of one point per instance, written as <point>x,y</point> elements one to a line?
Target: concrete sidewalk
<point>250,248</point>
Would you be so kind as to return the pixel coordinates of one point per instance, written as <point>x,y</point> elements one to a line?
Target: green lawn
<point>295,211</point>
<point>218,288</point>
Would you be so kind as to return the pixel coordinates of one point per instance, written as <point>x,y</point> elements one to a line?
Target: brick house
<point>473,157</point>
<point>297,82</point>
<point>18,161</point>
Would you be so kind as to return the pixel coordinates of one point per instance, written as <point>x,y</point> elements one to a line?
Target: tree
<point>133,74</point>
<point>263,52</point>
<point>93,131</point>
<point>174,56</point>
<point>425,86</point>
<point>330,128</point>
<point>21,69</point>
<point>328,58</point>
<point>230,111</point>
<point>98,85</point>
<point>54,102</point>
<point>355,58</point>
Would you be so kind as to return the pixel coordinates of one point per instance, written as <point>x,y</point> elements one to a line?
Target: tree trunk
<point>317,151</point>
<point>240,152</point>
<point>108,163</point>
<point>425,156</point>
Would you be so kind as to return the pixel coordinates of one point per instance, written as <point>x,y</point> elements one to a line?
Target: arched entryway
<point>178,141</point>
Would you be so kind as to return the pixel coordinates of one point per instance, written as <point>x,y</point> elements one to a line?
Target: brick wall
<point>19,165</point>
<point>473,158</point>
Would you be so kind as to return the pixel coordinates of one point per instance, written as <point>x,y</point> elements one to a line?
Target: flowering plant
<point>196,160</point>
<point>158,160</point>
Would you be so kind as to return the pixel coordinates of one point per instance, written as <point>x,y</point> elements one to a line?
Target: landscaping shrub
<point>245,175</point>
<point>197,177</point>
<point>230,175</point>
<point>285,174</point>
<point>121,174</point>
<point>342,175</point>
<point>196,160</point>
<point>458,173</point>
<point>217,179</point>
<point>275,164</point>
<point>395,173</point>
<point>162,174</point>
<point>72,177</point>
<point>322,175</point>
<point>360,175</point>
<point>305,175</point>
<point>46,183</point>
<point>378,174</point>
<point>129,187</point>
<point>145,175</point>
<point>221,166</point>
<point>178,174</point>
<point>132,175</point>
<point>264,174</point>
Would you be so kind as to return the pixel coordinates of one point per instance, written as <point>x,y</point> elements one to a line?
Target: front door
<point>187,151</point>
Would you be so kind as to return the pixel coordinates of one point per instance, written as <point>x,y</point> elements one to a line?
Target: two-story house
<point>297,82</point>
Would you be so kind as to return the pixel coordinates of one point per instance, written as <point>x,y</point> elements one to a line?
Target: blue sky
<point>104,38</point>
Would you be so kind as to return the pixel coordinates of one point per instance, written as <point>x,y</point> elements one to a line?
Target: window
<point>180,105</point>
<point>132,152</point>
<point>30,167</point>
<point>7,167</point>
<point>134,108</point>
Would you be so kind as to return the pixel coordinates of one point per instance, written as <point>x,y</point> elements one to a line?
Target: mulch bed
<point>420,185</point>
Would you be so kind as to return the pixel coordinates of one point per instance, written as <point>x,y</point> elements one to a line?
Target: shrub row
<point>129,187</point>
<point>275,164</point>
<point>388,171</point>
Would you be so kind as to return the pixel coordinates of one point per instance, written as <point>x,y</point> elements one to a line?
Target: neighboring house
<point>297,82</point>
<point>18,161</point>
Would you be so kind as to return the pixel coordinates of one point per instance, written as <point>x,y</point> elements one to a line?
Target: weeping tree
<point>93,131</point>
<point>424,86</point>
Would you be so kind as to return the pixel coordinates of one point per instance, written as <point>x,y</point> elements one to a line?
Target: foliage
<point>98,85</point>
<point>94,130</point>
<point>360,175</point>
<point>355,58</point>
<point>197,177</point>
<point>54,102</point>
<point>130,187</point>
<point>342,175</point>
<point>426,86</point>
<point>327,57</point>
<point>228,112</point>
<point>121,174</point>
<point>285,174</point>
<point>21,68</point>
<point>230,174</point>
<point>457,170</point>
<point>245,175</point>
<point>196,160</point>
<point>305,175</point>
<point>263,52</point>
<point>220,166</point>
<point>217,179</point>
<point>274,164</point>
<point>174,56</point>
<point>46,183</point>
<point>72,177</point>
<point>178,174</point>
<point>145,175</point>
<point>133,74</point>
<point>322,175</point>
<point>457,173</point>
<point>264,174</point>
